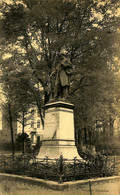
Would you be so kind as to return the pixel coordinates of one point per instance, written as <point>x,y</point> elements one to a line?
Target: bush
<point>5,147</point>
<point>111,148</point>
<point>98,163</point>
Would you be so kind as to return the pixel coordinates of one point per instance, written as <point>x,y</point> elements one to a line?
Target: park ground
<point>9,187</point>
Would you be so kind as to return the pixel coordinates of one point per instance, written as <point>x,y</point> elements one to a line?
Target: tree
<point>18,98</point>
<point>9,117</point>
<point>23,138</point>
<point>86,31</point>
<point>23,118</point>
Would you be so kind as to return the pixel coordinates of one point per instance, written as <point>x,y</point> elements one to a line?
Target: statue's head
<point>62,55</point>
<point>62,52</point>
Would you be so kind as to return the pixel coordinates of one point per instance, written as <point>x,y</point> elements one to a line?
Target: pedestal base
<point>58,138</point>
<point>54,148</point>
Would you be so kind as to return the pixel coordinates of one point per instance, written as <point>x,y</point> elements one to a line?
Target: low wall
<point>54,185</point>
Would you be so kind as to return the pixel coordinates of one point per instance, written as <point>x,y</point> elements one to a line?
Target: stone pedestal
<point>58,137</point>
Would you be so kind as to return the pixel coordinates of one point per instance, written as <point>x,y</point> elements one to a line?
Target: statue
<point>62,74</point>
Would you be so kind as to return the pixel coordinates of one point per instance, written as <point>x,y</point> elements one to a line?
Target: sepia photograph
<point>59,97</point>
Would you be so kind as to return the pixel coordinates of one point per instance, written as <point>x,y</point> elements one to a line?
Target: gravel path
<point>8,187</point>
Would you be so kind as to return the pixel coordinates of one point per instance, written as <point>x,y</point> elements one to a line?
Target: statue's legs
<point>65,91</point>
<point>60,91</point>
<point>56,92</point>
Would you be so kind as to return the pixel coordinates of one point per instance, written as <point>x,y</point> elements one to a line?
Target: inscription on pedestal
<point>51,125</point>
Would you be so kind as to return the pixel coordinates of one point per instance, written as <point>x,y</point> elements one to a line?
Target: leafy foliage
<point>23,137</point>
<point>86,30</point>
<point>24,141</point>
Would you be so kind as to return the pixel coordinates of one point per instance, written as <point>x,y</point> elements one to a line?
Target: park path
<point>8,187</point>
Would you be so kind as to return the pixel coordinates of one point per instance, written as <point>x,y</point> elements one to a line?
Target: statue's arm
<point>69,71</point>
<point>53,73</point>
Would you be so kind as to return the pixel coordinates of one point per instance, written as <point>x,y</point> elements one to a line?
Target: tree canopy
<point>34,33</point>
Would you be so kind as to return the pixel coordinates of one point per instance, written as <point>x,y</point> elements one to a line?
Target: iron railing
<point>60,169</point>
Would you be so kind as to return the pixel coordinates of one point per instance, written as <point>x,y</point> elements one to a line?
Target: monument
<point>59,135</point>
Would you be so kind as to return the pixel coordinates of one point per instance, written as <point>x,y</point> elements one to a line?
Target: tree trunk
<point>111,126</point>
<point>85,135</point>
<point>90,137</point>
<point>47,97</point>
<point>40,113</point>
<point>11,130</point>
<point>93,136</point>
<point>104,134</point>
<point>23,126</point>
<point>78,138</point>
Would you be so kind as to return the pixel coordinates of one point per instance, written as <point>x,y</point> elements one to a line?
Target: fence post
<point>0,163</point>
<point>46,167</point>
<point>90,188</point>
<point>61,169</point>
<point>75,168</point>
<point>4,162</point>
<point>24,160</point>
<point>114,167</point>
<point>85,169</point>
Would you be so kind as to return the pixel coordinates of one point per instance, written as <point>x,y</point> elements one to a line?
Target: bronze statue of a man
<point>62,77</point>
